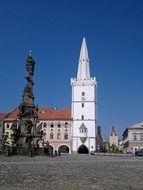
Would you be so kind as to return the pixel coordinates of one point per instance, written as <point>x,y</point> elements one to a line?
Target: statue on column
<point>26,133</point>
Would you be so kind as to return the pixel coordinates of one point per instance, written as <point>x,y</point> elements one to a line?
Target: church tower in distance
<point>84,101</point>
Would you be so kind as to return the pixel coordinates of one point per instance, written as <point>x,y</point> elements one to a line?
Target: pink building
<point>133,138</point>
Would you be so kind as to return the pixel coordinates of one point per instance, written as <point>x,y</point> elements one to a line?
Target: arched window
<point>58,135</point>
<point>51,135</point>
<point>65,135</point>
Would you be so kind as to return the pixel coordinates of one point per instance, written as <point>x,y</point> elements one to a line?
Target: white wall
<point>88,111</point>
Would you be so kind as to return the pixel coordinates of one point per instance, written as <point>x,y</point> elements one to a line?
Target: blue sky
<point>53,30</point>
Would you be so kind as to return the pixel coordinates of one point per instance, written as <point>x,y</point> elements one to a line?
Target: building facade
<point>133,138</point>
<point>2,115</point>
<point>56,127</point>
<point>55,124</point>
<point>84,101</point>
<point>7,126</point>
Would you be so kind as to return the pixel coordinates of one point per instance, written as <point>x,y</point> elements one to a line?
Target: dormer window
<point>83,133</point>
<point>83,128</point>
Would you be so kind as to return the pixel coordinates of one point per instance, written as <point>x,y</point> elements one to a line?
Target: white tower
<point>84,89</point>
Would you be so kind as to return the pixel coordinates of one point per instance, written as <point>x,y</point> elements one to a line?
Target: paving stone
<point>71,172</point>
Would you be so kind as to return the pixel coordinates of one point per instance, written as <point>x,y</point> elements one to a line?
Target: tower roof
<point>113,131</point>
<point>82,126</point>
<point>83,65</point>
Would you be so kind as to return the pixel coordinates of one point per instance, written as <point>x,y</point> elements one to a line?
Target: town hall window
<point>82,117</point>
<point>83,93</point>
<point>82,105</point>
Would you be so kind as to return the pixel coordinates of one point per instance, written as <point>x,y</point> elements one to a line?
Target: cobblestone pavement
<point>71,172</point>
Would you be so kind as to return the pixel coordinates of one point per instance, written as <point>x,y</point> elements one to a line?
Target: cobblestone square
<point>71,172</point>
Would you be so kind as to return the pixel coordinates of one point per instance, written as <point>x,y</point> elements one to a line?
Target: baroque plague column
<point>26,135</point>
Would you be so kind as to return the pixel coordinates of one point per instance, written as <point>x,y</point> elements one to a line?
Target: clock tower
<point>84,101</point>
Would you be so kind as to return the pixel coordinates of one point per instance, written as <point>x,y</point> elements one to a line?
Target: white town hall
<point>84,105</point>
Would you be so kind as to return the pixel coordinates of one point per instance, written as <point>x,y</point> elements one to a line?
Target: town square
<point>70,172</point>
<point>71,95</point>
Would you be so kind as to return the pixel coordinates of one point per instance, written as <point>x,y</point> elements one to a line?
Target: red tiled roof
<point>45,114</point>
<point>2,115</point>
<point>12,115</point>
<point>51,114</point>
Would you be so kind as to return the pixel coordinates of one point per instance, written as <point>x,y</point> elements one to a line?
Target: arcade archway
<point>48,149</point>
<point>63,149</point>
<point>83,150</point>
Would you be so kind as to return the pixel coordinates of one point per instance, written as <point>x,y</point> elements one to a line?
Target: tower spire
<point>113,131</point>
<point>83,65</point>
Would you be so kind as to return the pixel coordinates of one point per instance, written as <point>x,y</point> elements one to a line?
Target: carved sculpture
<point>25,134</point>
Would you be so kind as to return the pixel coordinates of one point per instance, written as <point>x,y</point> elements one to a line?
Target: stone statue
<point>14,127</point>
<point>28,113</point>
<point>28,126</point>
